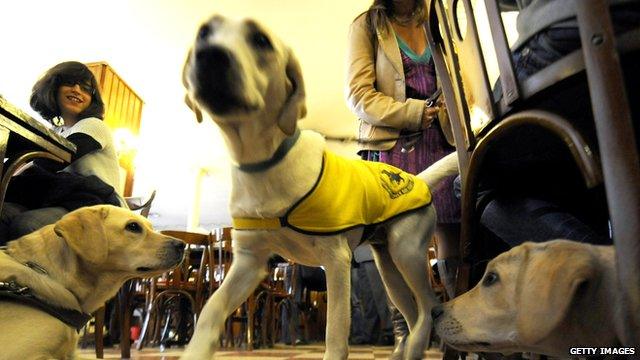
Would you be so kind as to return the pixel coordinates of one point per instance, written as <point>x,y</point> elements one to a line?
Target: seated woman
<point>545,35</point>
<point>67,96</point>
<point>516,213</point>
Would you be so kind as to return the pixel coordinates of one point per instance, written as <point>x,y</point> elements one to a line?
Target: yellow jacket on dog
<point>348,193</point>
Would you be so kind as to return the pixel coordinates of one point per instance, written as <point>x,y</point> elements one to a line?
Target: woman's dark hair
<point>44,95</point>
<point>382,10</point>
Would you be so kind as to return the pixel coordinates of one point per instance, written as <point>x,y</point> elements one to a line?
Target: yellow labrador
<point>538,297</point>
<point>74,266</point>
<point>251,85</point>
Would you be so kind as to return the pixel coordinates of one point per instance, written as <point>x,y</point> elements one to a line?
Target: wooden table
<point>23,139</point>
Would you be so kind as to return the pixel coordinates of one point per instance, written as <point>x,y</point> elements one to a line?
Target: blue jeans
<point>523,218</point>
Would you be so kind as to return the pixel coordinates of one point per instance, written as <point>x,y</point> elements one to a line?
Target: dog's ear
<point>295,107</point>
<point>187,98</point>
<point>548,289</point>
<point>194,107</point>
<point>83,231</point>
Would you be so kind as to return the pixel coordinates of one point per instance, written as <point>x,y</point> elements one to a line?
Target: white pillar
<point>193,217</point>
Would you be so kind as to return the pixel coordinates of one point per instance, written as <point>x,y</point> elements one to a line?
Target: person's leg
<point>291,317</point>
<point>32,220</point>
<point>380,302</point>
<point>358,335</point>
<point>9,213</point>
<point>519,219</point>
<point>400,332</point>
<point>368,305</point>
<point>448,241</point>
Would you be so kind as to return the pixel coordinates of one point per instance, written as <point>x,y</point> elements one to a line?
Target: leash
<point>12,291</point>
<point>15,292</point>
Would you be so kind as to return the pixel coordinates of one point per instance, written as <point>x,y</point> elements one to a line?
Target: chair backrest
<point>196,243</point>
<point>222,255</point>
<point>457,52</point>
<point>464,54</point>
<point>188,279</point>
<point>135,204</point>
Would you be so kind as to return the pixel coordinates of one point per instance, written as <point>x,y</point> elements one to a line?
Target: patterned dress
<point>415,154</point>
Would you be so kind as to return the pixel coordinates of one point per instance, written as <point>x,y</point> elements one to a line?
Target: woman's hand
<point>429,115</point>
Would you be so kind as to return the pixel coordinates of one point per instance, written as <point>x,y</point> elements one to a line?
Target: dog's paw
<point>193,353</point>
<point>196,356</point>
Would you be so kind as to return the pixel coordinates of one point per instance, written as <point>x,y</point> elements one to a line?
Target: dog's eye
<point>134,227</point>
<point>490,278</point>
<point>261,41</point>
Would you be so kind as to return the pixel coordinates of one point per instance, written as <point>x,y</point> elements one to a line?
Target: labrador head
<point>524,295</point>
<point>238,71</point>
<point>111,239</point>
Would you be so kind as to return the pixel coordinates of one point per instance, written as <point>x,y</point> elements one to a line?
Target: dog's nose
<point>178,246</point>
<point>207,56</point>
<point>436,312</point>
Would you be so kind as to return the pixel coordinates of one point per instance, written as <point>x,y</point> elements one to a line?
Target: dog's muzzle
<point>214,78</point>
<point>177,248</point>
<point>170,255</point>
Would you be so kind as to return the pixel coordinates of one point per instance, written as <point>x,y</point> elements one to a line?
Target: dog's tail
<point>441,169</point>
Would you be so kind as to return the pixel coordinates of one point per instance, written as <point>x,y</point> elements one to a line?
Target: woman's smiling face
<point>74,98</point>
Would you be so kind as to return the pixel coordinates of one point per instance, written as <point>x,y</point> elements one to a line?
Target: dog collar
<point>280,153</point>
<point>12,291</point>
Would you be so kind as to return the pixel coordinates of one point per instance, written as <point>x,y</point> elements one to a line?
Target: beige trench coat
<point>375,89</point>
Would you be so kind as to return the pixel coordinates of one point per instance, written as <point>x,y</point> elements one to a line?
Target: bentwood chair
<point>173,291</point>
<point>124,296</point>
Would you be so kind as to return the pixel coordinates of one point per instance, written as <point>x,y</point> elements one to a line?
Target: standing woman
<point>390,76</point>
<point>67,96</point>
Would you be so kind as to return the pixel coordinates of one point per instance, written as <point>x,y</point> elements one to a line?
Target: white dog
<point>543,298</point>
<point>54,277</point>
<point>251,86</point>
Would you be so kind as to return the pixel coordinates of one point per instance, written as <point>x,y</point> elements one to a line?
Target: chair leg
<point>266,321</point>
<point>251,304</point>
<point>165,329</point>
<point>98,333</point>
<point>124,297</point>
<point>450,354</point>
<point>145,326</point>
<point>290,307</point>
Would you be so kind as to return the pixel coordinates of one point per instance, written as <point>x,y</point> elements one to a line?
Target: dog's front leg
<point>338,272</point>
<point>247,270</point>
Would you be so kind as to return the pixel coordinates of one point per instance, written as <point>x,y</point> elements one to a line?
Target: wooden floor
<point>279,352</point>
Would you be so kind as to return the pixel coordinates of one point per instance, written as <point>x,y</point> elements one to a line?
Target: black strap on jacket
<point>11,291</point>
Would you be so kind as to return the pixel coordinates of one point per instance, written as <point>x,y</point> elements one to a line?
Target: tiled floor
<point>279,352</point>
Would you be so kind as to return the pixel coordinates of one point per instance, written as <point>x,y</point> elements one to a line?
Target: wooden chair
<point>604,153</point>
<point>124,295</point>
<point>240,326</point>
<point>136,204</point>
<point>436,282</point>
<point>313,306</point>
<point>188,281</point>
<point>221,256</point>
<point>279,298</point>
